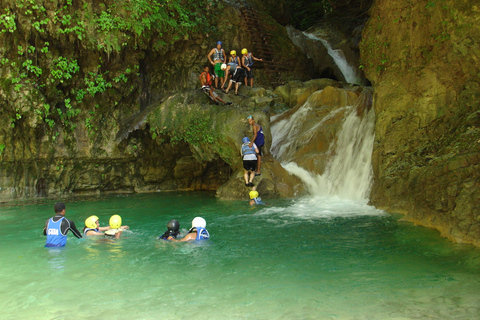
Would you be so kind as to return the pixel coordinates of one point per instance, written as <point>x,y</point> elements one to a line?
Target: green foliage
<point>306,13</point>
<point>96,83</point>
<point>2,147</point>
<point>7,22</point>
<point>63,69</point>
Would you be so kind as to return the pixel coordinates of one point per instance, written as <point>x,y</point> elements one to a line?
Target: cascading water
<point>351,74</point>
<point>348,173</point>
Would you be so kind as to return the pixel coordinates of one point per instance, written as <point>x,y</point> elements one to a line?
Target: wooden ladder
<point>262,44</point>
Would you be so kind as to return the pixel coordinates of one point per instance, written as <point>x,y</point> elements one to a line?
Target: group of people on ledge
<point>227,74</point>
<point>57,227</point>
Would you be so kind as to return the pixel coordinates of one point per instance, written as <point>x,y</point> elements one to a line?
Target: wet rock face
<point>424,67</point>
<point>74,104</point>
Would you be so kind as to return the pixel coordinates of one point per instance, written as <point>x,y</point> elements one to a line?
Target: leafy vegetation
<point>43,59</point>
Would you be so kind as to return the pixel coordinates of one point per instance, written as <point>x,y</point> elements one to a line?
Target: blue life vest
<point>89,229</point>
<point>249,60</point>
<point>202,234</point>
<point>218,55</point>
<point>246,149</point>
<point>260,139</point>
<point>55,238</point>
<point>258,200</point>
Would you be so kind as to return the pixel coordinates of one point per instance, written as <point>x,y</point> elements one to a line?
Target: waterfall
<point>351,73</point>
<point>348,172</point>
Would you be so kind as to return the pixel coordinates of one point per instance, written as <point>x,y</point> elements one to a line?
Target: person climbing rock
<point>258,139</point>
<point>249,153</point>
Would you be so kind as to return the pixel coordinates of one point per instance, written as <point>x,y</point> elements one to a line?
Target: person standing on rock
<point>247,63</point>
<point>217,57</point>
<point>258,139</point>
<point>56,228</point>
<point>249,153</point>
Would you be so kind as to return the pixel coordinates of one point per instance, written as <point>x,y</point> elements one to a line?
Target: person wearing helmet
<point>230,67</point>
<point>217,57</point>
<point>173,227</point>
<point>116,227</point>
<point>206,82</point>
<point>249,157</point>
<point>254,198</point>
<point>56,228</point>
<point>236,72</point>
<point>198,231</point>
<point>92,227</point>
<point>247,63</point>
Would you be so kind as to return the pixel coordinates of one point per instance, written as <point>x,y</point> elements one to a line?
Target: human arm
<point>45,228</point>
<point>70,225</point>
<point>94,233</point>
<point>256,59</point>
<point>188,237</point>
<point>118,234</point>
<point>104,228</point>
<point>255,131</point>
<point>209,56</point>
<point>203,79</point>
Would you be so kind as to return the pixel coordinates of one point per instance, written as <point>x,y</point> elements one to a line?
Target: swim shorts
<point>250,165</point>
<point>218,70</point>
<point>249,74</point>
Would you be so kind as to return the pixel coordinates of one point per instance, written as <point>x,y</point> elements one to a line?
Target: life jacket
<point>246,149</point>
<point>208,80</point>
<point>249,60</point>
<point>236,60</point>
<point>89,229</point>
<point>55,238</point>
<point>258,200</point>
<point>218,55</point>
<point>202,234</point>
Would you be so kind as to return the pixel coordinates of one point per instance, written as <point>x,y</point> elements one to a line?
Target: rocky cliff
<point>423,60</point>
<point>79,80</point>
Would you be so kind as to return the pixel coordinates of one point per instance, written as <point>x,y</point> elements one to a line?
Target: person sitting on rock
<point>247,63</point>
<point>206,81</point>
<point>249,156</point>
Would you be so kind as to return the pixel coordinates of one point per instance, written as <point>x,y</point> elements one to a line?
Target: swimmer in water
<point>92,227</point>
<point>198,231</point>
<point>254,198</point>
<point>116,227</point>
<point>173,227</point>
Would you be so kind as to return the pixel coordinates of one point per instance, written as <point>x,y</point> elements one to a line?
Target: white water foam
<point>348,174</point>
<point>350,73</point>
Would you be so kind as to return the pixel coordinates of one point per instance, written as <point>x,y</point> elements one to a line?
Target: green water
<point>308,258</point>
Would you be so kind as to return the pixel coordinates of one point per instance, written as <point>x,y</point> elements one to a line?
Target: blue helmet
<point>219,42</point>
<point>245,140</point>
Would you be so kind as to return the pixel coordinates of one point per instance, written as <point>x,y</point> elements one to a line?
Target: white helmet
<point>199,222</point>
<point>223,66</point>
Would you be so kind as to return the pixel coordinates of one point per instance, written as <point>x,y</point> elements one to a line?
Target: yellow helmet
<point>253,194</point>
<point>233,52</point>
<point>90,222</point>
<point>115,221</point>
<point>244,50</point>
